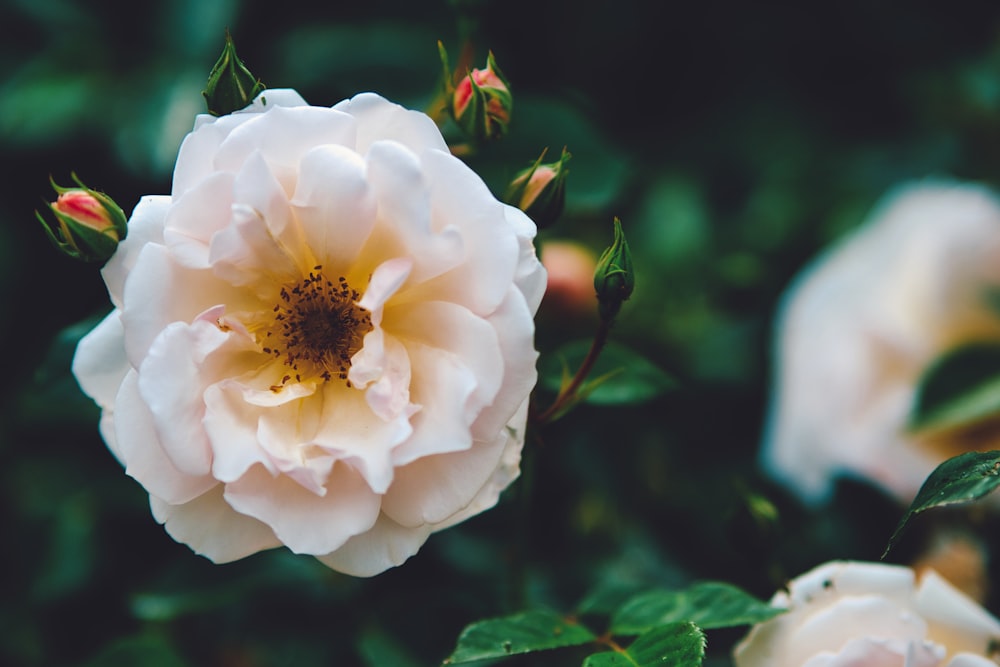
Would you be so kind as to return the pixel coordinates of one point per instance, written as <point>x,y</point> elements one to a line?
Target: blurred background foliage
<point>734,140</point>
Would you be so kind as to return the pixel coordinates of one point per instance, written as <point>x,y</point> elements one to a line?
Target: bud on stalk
<point>540,190</point>
<point>230,86</point>
<point>89,224</point>
<point>614,277</point>
<point>481,102</point>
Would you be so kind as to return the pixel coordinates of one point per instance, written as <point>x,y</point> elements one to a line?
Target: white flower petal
<point>231,425</point>
<point>848,614</point>
<point>148,309</point>
<point>353,434</point>
<point>385,545</point>
<point>212,528</point>
<point>379,119</point>
<point>404,227</point>
<point>956,621</point>
<point>144,227</point>
<point>512,322</point>
<point>334,206</point>
<point>99,363</point>
<point>260,239</point>
<point>144,458</point>
<point>304,522</point>
<point>434,488</point>
<point>283,136</point>
<point>195,216</point>
<point>454,329</point>
<point>530,276</point>
<point>441,387</point>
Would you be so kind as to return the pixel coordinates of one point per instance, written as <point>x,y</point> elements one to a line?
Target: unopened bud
<point>230,86</point>
<point>540,190</point>
<point>88,226</point>
<point>481,101</point>
<point>614,278</point>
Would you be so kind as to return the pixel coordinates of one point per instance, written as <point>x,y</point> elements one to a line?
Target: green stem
<point>568,393</point>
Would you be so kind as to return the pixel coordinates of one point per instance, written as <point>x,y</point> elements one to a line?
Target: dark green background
<point>733,139</point>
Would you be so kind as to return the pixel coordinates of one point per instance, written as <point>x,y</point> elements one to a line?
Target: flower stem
<point>568,393</point>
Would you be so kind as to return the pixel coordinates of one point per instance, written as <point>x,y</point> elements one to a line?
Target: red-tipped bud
<point>88,224</point>
<point>540,190</point>
<point>481,101</point>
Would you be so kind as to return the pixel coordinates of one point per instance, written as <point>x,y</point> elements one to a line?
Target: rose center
<point>317,328</point>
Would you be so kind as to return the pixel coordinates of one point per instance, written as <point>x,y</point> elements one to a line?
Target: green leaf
<point>961,479</point>
<point>625,377</point>
<point>960,388</point>
<point>673,645</point>
<point>709,604</point>
<point>525,632</point>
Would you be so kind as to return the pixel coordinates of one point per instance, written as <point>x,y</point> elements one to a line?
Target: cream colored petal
<point>954,619</point>
<point>260,246</point>
<point>380,119</point>
<point>406,224</point>
<point>212,528</point>
<point>283,135</point>
<point>433,489</point>
<point>99,363</point>
<point>460,201</point>
<point>350,432</point>
<point>441,385</point>
<point>454,329</point>
<point>530,276</point>
<point>195,217</point>
<point>160,291</point>
<point>386,545</point>
<point>334,206</point>
<point>145,226</point>
<point>514,326</point>
<point>142,453</point>
<point>304,522</point>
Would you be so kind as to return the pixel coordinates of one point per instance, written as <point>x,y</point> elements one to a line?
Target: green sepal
<point>614,277</point>
<point>230,86</point>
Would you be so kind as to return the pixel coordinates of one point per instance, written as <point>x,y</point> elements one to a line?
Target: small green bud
<point>481,102</point>
<point>540,190</point>
<point>230,86</point>
<point>614,277</point>
<point>88,226</point>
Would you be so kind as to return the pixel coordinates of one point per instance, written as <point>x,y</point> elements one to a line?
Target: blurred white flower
<point>863,322</point>
<point>323,338</point>
<point>856,614</point>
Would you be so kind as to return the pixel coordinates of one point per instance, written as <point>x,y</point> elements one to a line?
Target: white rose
<point>852,614</point>
<point>862,323</point>
<point>322,339</point>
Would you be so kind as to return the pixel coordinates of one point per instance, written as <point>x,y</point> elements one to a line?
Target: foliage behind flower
<point>862,324</point>
<point>322,339</point>
<point>856,614</point>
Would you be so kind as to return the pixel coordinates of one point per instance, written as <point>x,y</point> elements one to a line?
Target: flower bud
<point>230,86</point>
<point>614,278</point>
<point>89,224</point>
<point>540,190</point>
<point>481,101</point>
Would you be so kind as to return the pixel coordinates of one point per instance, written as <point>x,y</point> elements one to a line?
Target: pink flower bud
<point>481,102</point>
<point>540,190</point>
<point>88,224</point>
<point>87,210</point>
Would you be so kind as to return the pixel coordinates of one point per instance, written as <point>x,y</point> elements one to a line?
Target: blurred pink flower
<point>862,323</point>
